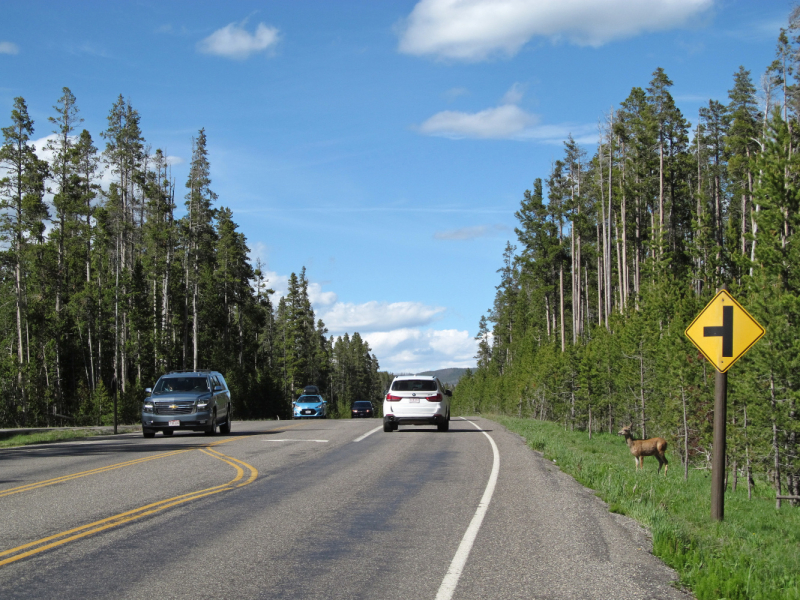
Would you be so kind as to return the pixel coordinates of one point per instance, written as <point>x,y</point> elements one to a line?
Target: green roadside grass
<point>753,554</point>
<point>57,435</point>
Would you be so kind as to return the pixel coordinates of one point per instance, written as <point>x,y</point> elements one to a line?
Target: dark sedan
<point>362,408</point>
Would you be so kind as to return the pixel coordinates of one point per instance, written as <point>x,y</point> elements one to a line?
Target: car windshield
<point>181,384</point>
<point>362,404</point>
<point>308,400</point>
<point>414,385</point>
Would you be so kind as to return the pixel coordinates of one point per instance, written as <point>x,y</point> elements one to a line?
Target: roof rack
<point>190,371</point>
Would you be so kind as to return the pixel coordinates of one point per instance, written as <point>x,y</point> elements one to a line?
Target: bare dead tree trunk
<point>641,387</point>
<point>685,437</point>
<point>775,445</point>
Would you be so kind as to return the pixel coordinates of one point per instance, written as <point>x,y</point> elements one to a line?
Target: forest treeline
<point>104,289</point>
<point>618,250</point>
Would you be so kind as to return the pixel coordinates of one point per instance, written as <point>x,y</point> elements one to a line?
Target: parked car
<point>416,400</point>
<point>362,408</point>
<point>310,406</point>
<point>190,400</point>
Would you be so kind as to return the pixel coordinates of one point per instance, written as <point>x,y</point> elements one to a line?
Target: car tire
<point>444,425</point>
<point>168,432</point>
<point>225,428</point>
<point>213,429</point>
<point>388,426</point>
<point>148,433</point>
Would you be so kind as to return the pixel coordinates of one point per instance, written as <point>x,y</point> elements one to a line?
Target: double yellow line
<point>97,471</point>
<point>128,463</point>
<point>59,539</point>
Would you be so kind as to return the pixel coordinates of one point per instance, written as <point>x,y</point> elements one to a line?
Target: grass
<point>57,435</point>
<point>753,554</point>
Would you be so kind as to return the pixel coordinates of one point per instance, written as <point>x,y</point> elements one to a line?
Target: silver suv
<point>416,400</point>
<point>193,400</point>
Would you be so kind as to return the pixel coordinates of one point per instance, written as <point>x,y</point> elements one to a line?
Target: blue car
<point>309,406</point>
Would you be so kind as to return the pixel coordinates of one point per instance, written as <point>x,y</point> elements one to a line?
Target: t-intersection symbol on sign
<point>725,332</point>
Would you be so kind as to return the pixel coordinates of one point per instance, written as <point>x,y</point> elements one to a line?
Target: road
<point>312,509</point>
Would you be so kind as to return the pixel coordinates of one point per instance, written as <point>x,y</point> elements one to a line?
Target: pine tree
<point>22,214</point>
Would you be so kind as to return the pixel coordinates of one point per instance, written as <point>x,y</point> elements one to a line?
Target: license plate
<point>414,400</point>
<point>174,423</point>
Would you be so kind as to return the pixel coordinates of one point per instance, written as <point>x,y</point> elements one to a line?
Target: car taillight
<point>391,398</point>
<point>436,398</point>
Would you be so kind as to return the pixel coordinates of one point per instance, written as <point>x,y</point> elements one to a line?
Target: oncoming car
<point>193,400</point>
<point>309,407</point>
<point>362,408</point>
<point>416,400</point>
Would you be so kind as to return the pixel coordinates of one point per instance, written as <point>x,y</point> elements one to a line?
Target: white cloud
<point>234,41</point>
<point>478,29</point>
<point>501,122</point>
<point>318,297</point>
<point>413,350</point>
<point>9,48</point>
<point>504,122</point>
<point>514,94</point>
<point>379,316</point>
<point>469,233</point>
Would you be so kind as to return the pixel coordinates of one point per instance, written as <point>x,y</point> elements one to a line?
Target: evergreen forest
<point>621,244</point>
<point>106,286</point>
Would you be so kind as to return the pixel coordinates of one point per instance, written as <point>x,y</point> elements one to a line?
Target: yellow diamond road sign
<point>724,331</point>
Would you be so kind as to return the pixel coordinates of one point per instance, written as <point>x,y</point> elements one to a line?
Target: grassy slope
<point>754,553</point>
<point>59,435</point>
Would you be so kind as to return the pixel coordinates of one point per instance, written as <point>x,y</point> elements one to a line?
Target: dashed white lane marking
<point>297,440</point>
<point>369,433</point>
<point>450,580</point>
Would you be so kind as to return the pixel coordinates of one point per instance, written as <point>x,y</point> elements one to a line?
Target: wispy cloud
<point>9,48</point>
<point>234,41</point>
<point>413,350</point>
<point>455,92</point>
<point>506,121</point>
<point>379,316</point>
<point>470,233</point>
<point>474,30</point>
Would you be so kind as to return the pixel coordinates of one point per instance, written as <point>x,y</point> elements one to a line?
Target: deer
<point>640,448</point>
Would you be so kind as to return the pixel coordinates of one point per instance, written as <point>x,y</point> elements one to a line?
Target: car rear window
<point>414,385</point>
<point>181,384</point>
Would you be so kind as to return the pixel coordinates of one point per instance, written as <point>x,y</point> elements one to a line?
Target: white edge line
<point>450,580</point>
<point>369,433</point>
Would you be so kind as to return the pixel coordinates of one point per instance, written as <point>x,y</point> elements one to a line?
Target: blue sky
<point>382,145</point>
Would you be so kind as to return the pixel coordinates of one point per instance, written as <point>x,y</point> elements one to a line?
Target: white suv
<point>416,400</point>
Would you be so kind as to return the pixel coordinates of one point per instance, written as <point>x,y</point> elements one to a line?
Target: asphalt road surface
<point>313,509</point>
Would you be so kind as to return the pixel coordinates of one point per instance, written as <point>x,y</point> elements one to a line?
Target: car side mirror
<point>217,388</point>
<point>148,391</point>
<point>448,393</point>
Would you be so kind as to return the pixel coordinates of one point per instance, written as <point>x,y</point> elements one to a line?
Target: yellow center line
<point>98,470</point>
<point>31,548</point>
<point>253,471</point>
<point>128,463</point>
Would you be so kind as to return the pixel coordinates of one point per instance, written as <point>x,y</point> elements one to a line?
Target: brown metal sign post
<point>720,443</point>
<point>723,331</point>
